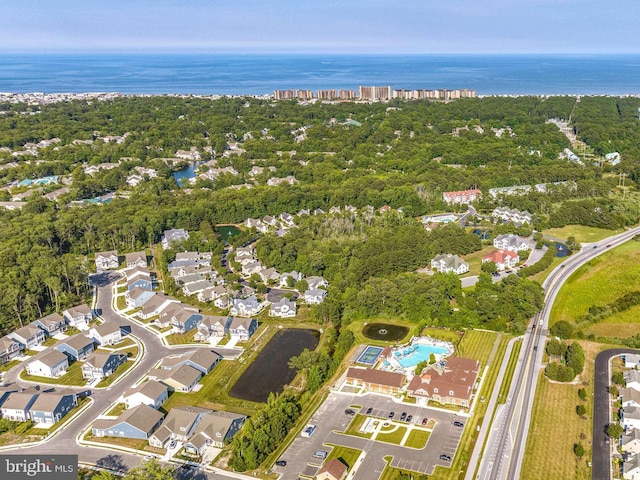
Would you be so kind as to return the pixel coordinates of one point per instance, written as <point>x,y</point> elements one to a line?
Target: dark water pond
<point>384,331</point>
<point>183,176</point>
<point>270,371</point>
<point>561,250</point>
<point>227,231</point>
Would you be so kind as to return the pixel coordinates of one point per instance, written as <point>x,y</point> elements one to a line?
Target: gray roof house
<point>197,287</point>
<point>50,408</point>
<point>245,307</point>
<point>173,235</point>
<point>212,293</point>
<point>16,405</point>
<point>293,275</point>
<point>448,263</point>
<point>9,349</point>
<point>316,282</point>
<point>179,425</point>
<point>137,297</point>
<point>28,336</point>
<point>201,359</point>
<point>212,326</point>
<point>78,347</point>
<point>151,393</point>
<point>107,333</point>
<point>139,277</point>
<point>155,305</point>
<point>632,378</point>
<point>511,242</point>
<point>630,417</point>
<point>52,324</point>
<point>631,467</point>
<point>185,319</point>
<point>78,316</point>
<point>106,261</point>
<point>100,365</point>
<point>630,397</point>
<point>269,275</point>
<point>631,442</point>
<point>214,429</point>
<point>314,296</point>
<point>243,328</point>
<point>181,379</point>
<point>52,364</point>
<point>136,259</point>
<point>137,422</point>
<point>283,308</point>
<point>631,360</point>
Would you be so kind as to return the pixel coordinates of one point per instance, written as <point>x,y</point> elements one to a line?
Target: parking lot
<point>330,421</point>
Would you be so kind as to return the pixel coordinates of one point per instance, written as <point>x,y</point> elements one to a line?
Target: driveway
<point>330,420</point>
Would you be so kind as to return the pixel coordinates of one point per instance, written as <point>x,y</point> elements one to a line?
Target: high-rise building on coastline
<point>305,94</point>
<point>374,93</point>
<point>327,94</point>
<point>284,94</point>
<point>433,94</point>
<point>346,94</point>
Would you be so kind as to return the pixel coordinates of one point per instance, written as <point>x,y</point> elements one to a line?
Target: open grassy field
<point>73,377</point>
<point>442,334</point>
<point>477,344</point>
<point>417,438</point>
<point>581,233</point>
<point>475,260</point>
<point>599,282</point>
<point>394,437</point>
<point>555,427</point>
<point>346,455</point>
<point>355,425</point>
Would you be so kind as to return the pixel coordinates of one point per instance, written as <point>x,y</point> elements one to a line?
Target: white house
<point>511,242</point>
<point>78,316</point>
<point>630,417</point>
<point>151,393</point>
<point>52,364</point>
<point>502,258</point>
<point>631,468</point>
<point>284,308</point>
<point>449,263</point>
<point>316,282</point>
<point>245,307</point>
<point>632,378</point>
<point>106,261</point>
<point>314,296</point>
<point>631,360</point>
<point>631,442</point>
<point>108,333</point>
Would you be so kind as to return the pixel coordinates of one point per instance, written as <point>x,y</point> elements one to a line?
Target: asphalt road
<point>601,457</point>
<point>64,440</point>
<point>505,460</point>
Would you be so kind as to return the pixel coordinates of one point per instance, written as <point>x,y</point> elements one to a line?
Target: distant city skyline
<point>330,26</point>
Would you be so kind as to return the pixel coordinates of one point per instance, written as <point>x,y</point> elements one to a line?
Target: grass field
<point>475,260</point>
<point>394,437</point>
<point>346,455</point>
<point>442,334</point>
<point>540,277</point>
<point>477,344</point>
<point>508,374</point>
<point>599,282</point>
<point>354,427</point>
<point>73,377</point>
<point>581,233</point>
<point>417,438</point>
<point>555,427</point>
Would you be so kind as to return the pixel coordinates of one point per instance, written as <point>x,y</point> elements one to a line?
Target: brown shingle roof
<point>377,377</point>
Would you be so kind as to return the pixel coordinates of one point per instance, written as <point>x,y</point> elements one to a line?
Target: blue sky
<point>327,26</point>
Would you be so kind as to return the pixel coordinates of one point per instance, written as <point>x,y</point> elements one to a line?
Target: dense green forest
<point>404,154</point>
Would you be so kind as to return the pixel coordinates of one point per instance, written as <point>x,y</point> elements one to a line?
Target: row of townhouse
<point>512,215</point>
<point>277,224</point>
<point>630,418</point>
<point>47,407</point>
<point>109,260</point>
<point>192,271</point>
<point>469,196</point>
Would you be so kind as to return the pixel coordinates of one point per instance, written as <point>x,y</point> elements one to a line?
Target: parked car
<point>458,424</point>
<point>403,416</point>
<point>424,421</point>
<point>391,415</point>
<point>369,410</point>
<point>308,431</point>
<point>409,418</point>
<point>446,458</point>
<point>348,411</point>
<point>606,440</point>
<point>281,463</point>
<point>172,445</point>
<point>320,454</point>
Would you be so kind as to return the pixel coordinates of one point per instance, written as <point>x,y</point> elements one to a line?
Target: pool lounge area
<point>418,350</point>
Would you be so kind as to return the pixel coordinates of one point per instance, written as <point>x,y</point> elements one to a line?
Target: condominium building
<point>305,94</point>
<point>284,94</point>
<point>327,94</point>
<point>346,94</point>
<point>374,93</point>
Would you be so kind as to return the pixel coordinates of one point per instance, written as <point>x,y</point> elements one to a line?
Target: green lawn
<point>540,277</point>
<point>477,344</point>
<point>354,426</point>
<point>417,439</point>
<point>105,382</point>
<point>599,282</point>
<point>475,260</point>
<point>182,338</point>
<point>442,334</point>
<point>117,409</point>
<point>394,437</point>
<point>508,374</point>
<point>9,365</point>
<point>346,455</point>
<point>581,233</point>
<point>73,377</point>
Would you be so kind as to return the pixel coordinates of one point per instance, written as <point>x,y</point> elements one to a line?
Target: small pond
<point>384,331</point>
<point>562,250</point>
<point>183,176</point>
<point>227,231</point>
<point>270,370</point>
<point>483,234</point>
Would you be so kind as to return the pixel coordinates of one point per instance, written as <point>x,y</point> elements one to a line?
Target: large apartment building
<point>374,93</point>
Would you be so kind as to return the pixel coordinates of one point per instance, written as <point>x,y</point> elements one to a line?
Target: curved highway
<point>504,452</point>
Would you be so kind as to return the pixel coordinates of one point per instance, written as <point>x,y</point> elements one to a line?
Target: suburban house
<point>509,215</point>
<point>630,397</point>
<point>139,277</point>
<point>106,261</point>
<point>155,305</point>
<point>52,364</point>
<point>449,263</point>
<point>284,308</point>
<point>269,275</point>
<point>150,393</point>
<point>289,279</point>
<point>197,287</point>
<point>632,379</point>
<point>631,442</point>
<point>52,324</point>
<point>511,242</point>
<point>451,383</point>
<point>212,293</point>
<point>137,422</point>
<point>250,268</point>
<point>137,297</point>
<point>314,296</point>
<point>100,365</point>
<point>16,406</point>
<point>107,333</point>
<point>215,429</point>
<point>9,349</point>
<point>201,359</point>
<point>222,302</point>
<point>332,469</point>
<point>316,282</point>
<point>245,307</point>
<point>50,408</point>
<point>76,348</point>
<point>287,219</point>
<point>78,317</point>
<point>212,326</point>
<point>375,380</point>
<point>631,468</point>
<point>630,417</point>
<point>185,319</point>
<point>242,328</point>
<point>28,336</point>
<point>631,360</point>
<point>179,425</point>
<point>503,259</point>
<point>173,235</point>
<point>181,379</point>
<point>461,196</point>
<point>136,259</point>
<point>166,316</point>
<point>512,190</point>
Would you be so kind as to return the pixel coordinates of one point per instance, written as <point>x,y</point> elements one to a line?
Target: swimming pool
<point>419,353</point>
<point>370,355</point>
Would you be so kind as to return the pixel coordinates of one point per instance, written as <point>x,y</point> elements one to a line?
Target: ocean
<point>226,74</point>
